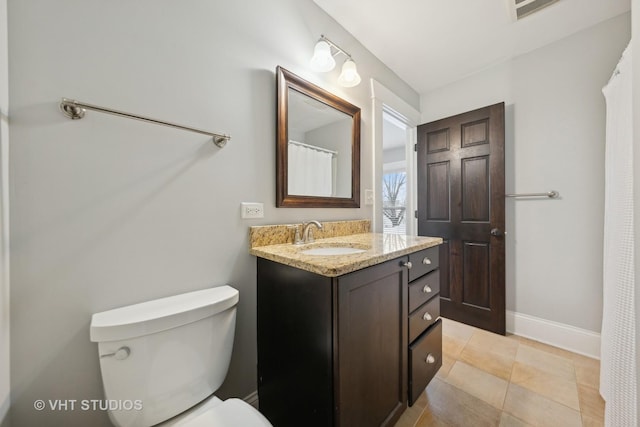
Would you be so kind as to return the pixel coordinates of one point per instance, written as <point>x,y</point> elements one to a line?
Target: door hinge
<point>415,147</point>
<point>415,213</point>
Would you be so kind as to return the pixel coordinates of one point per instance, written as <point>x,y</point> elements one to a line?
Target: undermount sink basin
<point>333,250</point>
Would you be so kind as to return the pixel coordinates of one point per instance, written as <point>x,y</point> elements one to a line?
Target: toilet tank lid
<point>161,314</point>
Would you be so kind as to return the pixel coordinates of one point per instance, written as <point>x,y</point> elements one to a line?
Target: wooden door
<point>461,199</point>
<point>372,377</point>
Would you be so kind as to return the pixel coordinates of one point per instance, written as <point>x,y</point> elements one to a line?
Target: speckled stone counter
<point>379,248</point>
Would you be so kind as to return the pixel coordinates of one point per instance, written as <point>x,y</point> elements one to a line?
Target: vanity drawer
<point>425,358</point>
<point>423,262</point>
<point>423,317</point>
<point>421,290</point>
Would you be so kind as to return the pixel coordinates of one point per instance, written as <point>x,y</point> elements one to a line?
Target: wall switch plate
<point>251,210</point>
<point>368,197</point>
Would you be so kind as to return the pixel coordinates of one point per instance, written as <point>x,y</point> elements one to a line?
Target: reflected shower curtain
<point>618,376</point>
<point>310,171</point>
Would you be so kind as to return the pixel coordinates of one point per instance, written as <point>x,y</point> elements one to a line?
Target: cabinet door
<point>371,385</point>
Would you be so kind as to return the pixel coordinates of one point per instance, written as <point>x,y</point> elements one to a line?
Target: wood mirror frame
<point>287,81</point>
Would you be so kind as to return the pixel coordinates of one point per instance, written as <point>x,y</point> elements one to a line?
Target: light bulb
<point>349,76</point>
<point>322,59</point>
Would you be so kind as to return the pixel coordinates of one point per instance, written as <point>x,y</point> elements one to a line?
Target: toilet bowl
<point>162,360</point>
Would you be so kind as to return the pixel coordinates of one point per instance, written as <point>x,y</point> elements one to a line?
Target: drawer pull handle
<point>430,359</point>
<point>426,261</point>
<point>408,264</point>
<point>426,316</point>
<point>426,289</point>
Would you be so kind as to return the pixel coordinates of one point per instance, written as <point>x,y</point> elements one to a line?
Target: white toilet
<point>162,360</point>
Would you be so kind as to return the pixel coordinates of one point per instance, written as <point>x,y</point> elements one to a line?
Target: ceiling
<point>431,43</point>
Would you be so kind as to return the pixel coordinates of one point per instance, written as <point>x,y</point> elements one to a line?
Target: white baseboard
<point>252,399</point>
<point>567,337</point>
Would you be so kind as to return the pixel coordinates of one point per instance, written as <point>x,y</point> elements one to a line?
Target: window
<point>394,202</point>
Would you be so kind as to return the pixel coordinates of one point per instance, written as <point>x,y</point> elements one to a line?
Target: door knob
<point>496,232</point>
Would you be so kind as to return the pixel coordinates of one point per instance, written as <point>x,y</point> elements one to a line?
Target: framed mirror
<point>317,146</point>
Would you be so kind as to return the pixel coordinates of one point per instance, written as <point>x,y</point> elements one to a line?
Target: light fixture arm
<point>335,46</point>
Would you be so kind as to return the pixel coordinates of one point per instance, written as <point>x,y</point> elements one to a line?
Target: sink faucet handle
<point>297,240</point>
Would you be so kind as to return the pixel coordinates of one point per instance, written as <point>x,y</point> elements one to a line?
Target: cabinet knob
<point>407,264</point>
<point>426,261</point>
<point>430,359</point>
<point>426,289</point>
<point>426,316</point>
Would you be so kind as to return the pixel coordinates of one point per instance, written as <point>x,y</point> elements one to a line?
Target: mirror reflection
<point>319,148</point>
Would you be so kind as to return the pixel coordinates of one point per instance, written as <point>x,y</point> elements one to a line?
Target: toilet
<point>162,360</point>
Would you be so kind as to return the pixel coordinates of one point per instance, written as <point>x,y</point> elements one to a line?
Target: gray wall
<point>332,137</point>
<point>4,220</point>
<point>555,127</point>
<point>107,211</point>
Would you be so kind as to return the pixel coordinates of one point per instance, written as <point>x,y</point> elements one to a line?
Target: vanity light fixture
<point>323,61</point>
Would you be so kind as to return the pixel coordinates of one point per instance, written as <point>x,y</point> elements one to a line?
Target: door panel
<point>475,280</point>
<point>372,381</point>
<point>461,199</point>
<point>475,189</point>
<point>438,191</point>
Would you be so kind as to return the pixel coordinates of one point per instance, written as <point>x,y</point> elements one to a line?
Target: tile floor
<point>491,380</point>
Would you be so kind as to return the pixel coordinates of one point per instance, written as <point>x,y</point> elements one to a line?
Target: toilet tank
<point>161,357</point>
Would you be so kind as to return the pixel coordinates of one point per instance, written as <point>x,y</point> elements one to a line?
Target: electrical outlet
<point>251,210</point>
<point>368,197</point>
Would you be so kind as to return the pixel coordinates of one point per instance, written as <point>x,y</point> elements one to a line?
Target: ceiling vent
<point>527,7</point>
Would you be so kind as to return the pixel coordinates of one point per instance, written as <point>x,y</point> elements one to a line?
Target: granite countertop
<point>379,248</point>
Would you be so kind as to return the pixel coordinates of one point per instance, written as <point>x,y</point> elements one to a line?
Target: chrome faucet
<point>307,235</point>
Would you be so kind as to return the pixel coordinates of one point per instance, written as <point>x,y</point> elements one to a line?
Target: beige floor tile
<point>588,421</point>
<point>478,383</point>
<point>409,417</point>
<point>556,388</point>
<point>450,406</point>
<point>457,330</point>
<point>452,347</point>
<point>413,413</point>
<point>539,410</point>
<point>509,420</point>
<point>547,362</point>
<point>587,371</point>
<point>591,403</point>
<point>428,419</point>
<point>494,343</point>
<point>447,364</point>
<point>544,347</point>
<point>548,385</point>
<point>495,363</point>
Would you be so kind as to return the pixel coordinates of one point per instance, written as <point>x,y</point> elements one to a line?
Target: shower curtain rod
<point>313,147</point>
<point>75,110</point>
<point>550,194</point>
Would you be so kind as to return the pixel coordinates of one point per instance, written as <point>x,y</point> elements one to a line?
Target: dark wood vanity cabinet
<point>335,351</point>
<point>331,350</point>
<point>425,328</point>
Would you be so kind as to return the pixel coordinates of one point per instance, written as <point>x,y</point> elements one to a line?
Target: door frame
<point>384,99</point>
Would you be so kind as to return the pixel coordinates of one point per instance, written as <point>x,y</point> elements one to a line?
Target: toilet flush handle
<point>120,354</point>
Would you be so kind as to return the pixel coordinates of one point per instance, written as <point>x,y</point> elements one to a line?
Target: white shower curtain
<point>618,371</point>
<point>310,171</point>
